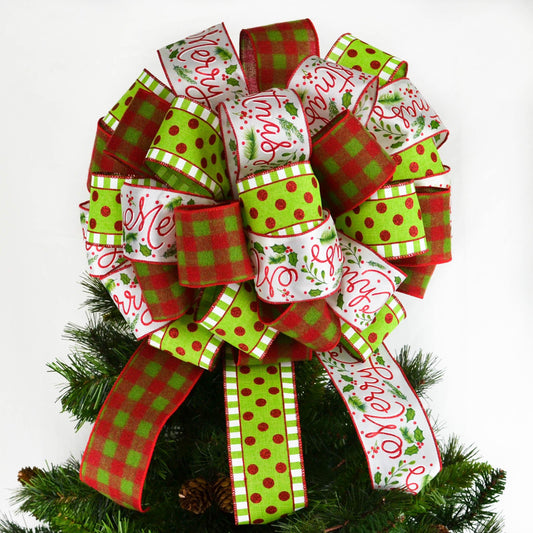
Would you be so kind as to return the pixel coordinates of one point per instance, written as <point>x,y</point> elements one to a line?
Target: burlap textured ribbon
<point>277,212</point>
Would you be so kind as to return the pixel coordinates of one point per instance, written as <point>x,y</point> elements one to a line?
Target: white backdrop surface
<point>65,62</point>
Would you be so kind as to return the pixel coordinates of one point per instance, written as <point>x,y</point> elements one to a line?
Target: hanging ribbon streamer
<point>275,206</point>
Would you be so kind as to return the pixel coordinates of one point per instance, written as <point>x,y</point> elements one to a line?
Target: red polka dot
<point>173,332</point>
<point>254,306</point>
<point>272,370</point>
<point>299,214</point>
<point>273,390</point>
<point>261,402</point>
<point>193,123</point>
<point>370,50</point>
<point>105,211</point>
<point>239,331</point>
<point>128,100</point>
<point>173,130</point>
<point>291,186</point>
<point>384,235</point>
<point>252,469</point>
<point>398,220</point>
<point>375,64</point>
<point>246,392</point>
<point>192,327</point>
<point>369,222</point>
<point>180,351</point>
<point>420,149</point>
<point>170,113</point>
<point>253,213</point>
<point>409,203</point>
<point>388,318</point>
<point>256,497</point>
<point>262,195</point>
<point>258,521</point>
<point>118,225</point>
<point>373,337</point>
<point>181,148</point>
<point>249,441</point>
<point>358,236</point>
<point>314,182</point>
<point>413,167</point>
<point>94,196</point>
<point>259,326</point>
<point>278,438</point>
<point>358,67</point>
<point>157,139</point>
<point>281,467</point>
<point>199,143</point>
<point>271,509</point>
<point>248,415</point>
<point>352,53</point>
<point>413,231</point>
<point>397,159</point>
<point>308,197</point>
<point>281,204</point>
<point>220,331</point>
<point>348,221</point>
<point>263,426</point>
<point>118,199</point>
<point>268,483</point>
<point>196,346</point>
<point>284,495</point>
<point>259,381</point>
<point>434,157</point>
<point>270,222</point>
<point>243,347</point>
<point>381,207</point>
<point>429,172</point>
<point>236,312</point>
<point>92,223</point>
<point>275,413</point>
<point>203,162</point>
<point>265,453</point>
<point>319,210</point>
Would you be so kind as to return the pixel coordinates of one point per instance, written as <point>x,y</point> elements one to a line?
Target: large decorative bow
<point>275,207</point>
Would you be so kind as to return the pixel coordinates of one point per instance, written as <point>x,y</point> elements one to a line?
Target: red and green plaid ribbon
<point>149,389</point>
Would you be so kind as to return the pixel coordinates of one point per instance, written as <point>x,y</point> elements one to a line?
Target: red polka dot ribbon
<point>276,206</point>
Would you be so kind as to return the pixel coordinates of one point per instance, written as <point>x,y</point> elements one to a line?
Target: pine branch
<point>8,526</point>
<point>420,370</point>
<point>99,300</point>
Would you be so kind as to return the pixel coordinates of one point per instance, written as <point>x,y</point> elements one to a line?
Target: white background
<point>66,62</point>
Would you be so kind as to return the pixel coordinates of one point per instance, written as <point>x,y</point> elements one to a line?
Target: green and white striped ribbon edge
<point>272,176</point>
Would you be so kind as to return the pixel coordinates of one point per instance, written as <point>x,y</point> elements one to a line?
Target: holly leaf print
<point>128,248</point>
<point>130,237</point>
<point>315,292</point>
<point>377,478</point>
<point>346,378</point>
<point>279,248</point>
<point>185,74</point>
<point>145,250</point>
<point>397,144</point>
<point>276,259</point>
<point>357,403</point>
<point>419,435</point>
<point>293,258</point>
<point>434,124</point>
<point>231,69</point>
<point>233,82</point>
<point>397,280</point>
<point>175,202</point>
<point>347,100</point>
<point>125,278</point>
<point>176,51</point>
<point>409,414</point>
<point>348,388</point>
<point>380,360</point>
<point>170,252</point>
<point>412,450</point>
<point>259,247</point>
<point>407,435</point>
<point>333,110</point>
<point>419,122</point>
<point>223,53</point>
<point>232,145</point>
<point>291,109</point>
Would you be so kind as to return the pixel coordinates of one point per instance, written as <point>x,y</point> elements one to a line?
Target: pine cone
<point>195,495</point>
<point>222,494</point>
<point>26,474</point>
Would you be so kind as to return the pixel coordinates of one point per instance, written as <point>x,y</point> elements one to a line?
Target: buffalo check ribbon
<point>149,389</point>
<point>276,206</point>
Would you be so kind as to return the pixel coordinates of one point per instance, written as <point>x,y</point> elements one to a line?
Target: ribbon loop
<point>211,247</point>
<point>349,163</point>
<point>271,53</point>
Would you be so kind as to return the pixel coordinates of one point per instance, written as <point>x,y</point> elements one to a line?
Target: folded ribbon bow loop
<point>273,208</point>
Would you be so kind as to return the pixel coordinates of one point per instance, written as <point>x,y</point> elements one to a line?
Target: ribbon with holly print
<point>276,206</point>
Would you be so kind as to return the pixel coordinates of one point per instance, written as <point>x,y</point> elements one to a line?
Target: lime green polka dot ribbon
<point>267,222</point>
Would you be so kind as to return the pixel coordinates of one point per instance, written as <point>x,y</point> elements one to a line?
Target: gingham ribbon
<point>193,186</point>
